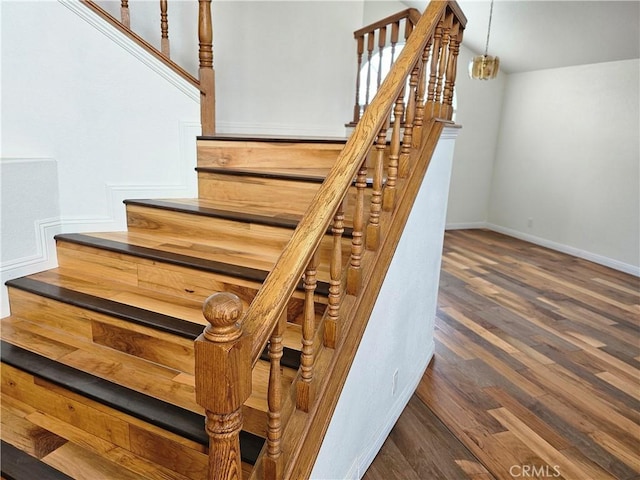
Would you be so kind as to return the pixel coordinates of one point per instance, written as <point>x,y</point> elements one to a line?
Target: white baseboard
<point>559,247</point>
<point>465,226</point>
<point>396,410</point>
<point>569,250</point>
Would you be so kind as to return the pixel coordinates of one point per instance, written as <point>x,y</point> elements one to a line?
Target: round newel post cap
<point>223,311</point>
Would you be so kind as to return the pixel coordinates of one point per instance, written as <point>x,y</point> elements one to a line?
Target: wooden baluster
<point>304,386</point>
<point>408,28</point>
<point>272,463</point>
<point>407,138</point>
<point>164,29</point>
<point>206,72</point>
<point>370,43</point>
<point>419,121</point>
<point>223,382</point>
<point>332,323</point>
<point>382,41</point>
<point>435,60</point>
<point>389,192</point>
<point>395,31</point>
<point>125,17</point>
<point>454,49</point>
<point>356,106</point>
<point>442,69</point>
<point>373,227</point>
<point>354,274</point>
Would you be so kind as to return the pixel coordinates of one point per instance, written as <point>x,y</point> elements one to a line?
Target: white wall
<point>285,67</point>
<point>566,172</point>
<point>367,409</point>
<point>282,67</point>
<point>479,105</point>
<point>111,123</point>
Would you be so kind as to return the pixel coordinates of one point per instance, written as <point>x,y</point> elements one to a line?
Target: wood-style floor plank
<point>537,365</point>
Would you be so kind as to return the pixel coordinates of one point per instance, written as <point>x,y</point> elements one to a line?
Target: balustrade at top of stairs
<point>100,369</point>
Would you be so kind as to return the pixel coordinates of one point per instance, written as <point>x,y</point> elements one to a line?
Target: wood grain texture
<point>536,360</point>
<point>313,157</point>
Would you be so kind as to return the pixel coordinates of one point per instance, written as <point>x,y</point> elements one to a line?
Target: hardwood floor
<point>536,372</point>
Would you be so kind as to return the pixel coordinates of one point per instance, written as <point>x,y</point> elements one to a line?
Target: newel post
<point>223,382</point>
<point>206,72</point>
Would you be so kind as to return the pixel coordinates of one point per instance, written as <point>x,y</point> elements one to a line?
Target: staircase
<point>97,355</point>
<point>112,367</point>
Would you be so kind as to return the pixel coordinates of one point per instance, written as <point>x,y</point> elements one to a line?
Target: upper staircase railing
<point>206,75</point>
<point>424,73</point>
<point>387,33</point>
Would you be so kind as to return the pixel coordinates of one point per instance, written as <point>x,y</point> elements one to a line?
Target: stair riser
<point>285,196</point>
<point>205,229</point>
<point>169,377</point>
<point>175,280</point>
<point>256,237</point>
<point>111,429</point>
<point>143,342</point>
<point>267,156</point>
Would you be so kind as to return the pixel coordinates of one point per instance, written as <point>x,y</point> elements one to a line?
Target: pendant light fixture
<point>485,67</point>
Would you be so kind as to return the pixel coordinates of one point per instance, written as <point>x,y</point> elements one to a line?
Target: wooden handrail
<point>434,41</point>
<point>410,13</point>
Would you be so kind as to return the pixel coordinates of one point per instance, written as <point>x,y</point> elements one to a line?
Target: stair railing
<point>206,75</point>
<point>387,33</point>
<point>232,343</point>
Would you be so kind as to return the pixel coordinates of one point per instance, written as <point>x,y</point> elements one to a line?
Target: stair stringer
<point>304,433</point>
<point>398,336</point>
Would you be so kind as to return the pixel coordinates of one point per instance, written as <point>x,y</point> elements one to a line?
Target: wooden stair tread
<point>127,303</point>
<point>174,419</point>
<point>58,291</point>
<point>220,210</point>
<point>234,207</point>
<point>18,465</point>
<point>164,383</point>
<point>218,251</point>
<point>169,250</point>
<point>265,153</point>
<point>206,208</point>
<point>144,407</point>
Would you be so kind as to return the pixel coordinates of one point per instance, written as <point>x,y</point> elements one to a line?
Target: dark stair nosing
<point>139,316</point>
<point>271,139</point>
<point>271,175</point>
<point>18,465</point>
<point>187,261</point>
<point>283,222</point>
<point>260,174</point>
<point>122,311</point>
<point>169,417</point>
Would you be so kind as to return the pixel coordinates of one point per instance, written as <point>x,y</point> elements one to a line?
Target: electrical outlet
<point>394,383</point>
<point>530,222</point>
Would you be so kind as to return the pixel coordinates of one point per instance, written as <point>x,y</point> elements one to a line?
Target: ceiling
<point>537,34</point>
